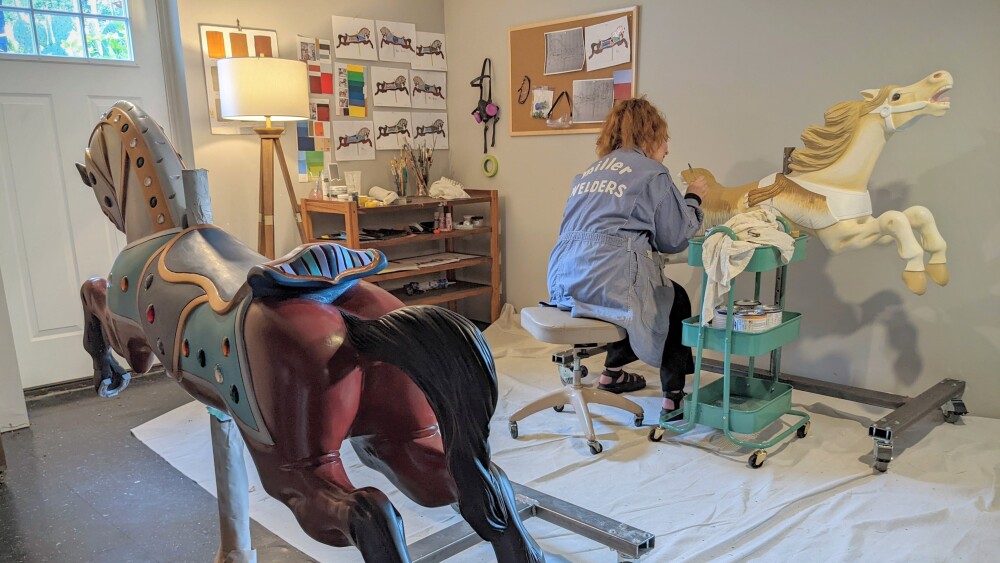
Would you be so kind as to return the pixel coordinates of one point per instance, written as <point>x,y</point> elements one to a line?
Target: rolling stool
<point>554,326</point>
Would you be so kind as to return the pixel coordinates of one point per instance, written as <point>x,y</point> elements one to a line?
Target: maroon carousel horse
<point>301,352</point>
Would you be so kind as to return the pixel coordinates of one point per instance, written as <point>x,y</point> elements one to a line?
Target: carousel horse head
<point>135,172</point>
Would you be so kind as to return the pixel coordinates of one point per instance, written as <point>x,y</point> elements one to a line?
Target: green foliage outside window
<point>95,29</point>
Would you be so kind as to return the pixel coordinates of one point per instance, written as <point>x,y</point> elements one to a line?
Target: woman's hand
<point>698,187</point>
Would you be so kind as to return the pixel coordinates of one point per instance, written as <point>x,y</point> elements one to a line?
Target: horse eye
<point>895,97</point>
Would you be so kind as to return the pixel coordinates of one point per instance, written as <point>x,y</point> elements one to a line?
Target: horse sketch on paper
<point>826,192</point>
<point>302,352</point>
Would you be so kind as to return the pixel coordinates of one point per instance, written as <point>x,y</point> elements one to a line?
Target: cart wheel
<point>881,466</point>
<point>757,459</point>
<point>655,434</point>
<point>803,430</point>
<point>512,426</point>
<point>882,455</point>
<point>595,447</point>
<point>951,417</point>
<point>559,408</point>
<point>639,418</point>
<point>583,372</point>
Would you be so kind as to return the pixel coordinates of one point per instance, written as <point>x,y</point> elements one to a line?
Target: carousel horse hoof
<point>106,391</point>
<point>938,273</point>
<point>915,281</point>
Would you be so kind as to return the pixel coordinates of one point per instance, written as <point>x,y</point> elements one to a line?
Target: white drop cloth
<point>814,499</point>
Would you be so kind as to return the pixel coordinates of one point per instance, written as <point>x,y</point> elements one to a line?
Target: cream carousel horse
<point>826,193</point>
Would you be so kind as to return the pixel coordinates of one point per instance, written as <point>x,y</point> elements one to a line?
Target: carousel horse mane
<point>824,144</point>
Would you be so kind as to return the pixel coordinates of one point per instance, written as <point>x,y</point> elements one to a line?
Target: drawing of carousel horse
<point>826,192</point>
<point>359,138</point>
<point>436,128</point>
<point>400,128</point>
<point>421,87</point>
<point>616,39</point>
<point>435,48</point>
<point>398,41</point>
<point>302,352</point>
<point>362,37</point>
<point>397,85</point>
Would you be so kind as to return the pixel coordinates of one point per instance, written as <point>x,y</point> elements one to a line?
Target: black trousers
<point>677,359</point>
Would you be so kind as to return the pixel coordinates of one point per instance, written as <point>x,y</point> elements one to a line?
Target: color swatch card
<point>351,90</point>
<point>221,42</point>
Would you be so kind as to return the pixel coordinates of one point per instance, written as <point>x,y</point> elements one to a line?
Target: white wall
<point>740,80</point>
<point>13,413</point>
<point>233,160</point>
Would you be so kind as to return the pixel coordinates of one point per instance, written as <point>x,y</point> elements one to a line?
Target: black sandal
<point>622,382</point>
<point>678,413</point>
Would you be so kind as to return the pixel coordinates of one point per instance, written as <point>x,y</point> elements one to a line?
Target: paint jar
<point>773,313</point>
<point>719,319</point>
<point>749,322</point>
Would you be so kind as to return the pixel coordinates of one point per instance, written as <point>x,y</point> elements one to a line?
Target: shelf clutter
<point>410,227</point>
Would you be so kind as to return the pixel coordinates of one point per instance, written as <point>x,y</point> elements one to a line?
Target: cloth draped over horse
<point>302,352</point>
<point>826,192</point>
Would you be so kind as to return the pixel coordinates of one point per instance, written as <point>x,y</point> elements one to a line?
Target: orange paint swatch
<point>262,45</point>
<point>238,44</point>
<point>216,44</point>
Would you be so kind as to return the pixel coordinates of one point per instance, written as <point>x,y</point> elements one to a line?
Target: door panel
<point>53,235</point>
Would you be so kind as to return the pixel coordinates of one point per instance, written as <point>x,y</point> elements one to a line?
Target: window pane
<point>107,39</point>
<point>59,36</point>
<point>57,5</point>
<point>16,35</point>
<point>16,3</point>
<point>105,7</point>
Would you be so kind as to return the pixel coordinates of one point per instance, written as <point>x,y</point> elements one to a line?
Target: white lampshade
<point>257,88</point>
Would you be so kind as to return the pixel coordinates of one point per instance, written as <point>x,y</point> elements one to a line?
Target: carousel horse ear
<point>869,95</point>
<point>84,175</point>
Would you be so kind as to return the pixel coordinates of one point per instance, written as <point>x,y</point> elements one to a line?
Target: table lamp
<point>262,89</point>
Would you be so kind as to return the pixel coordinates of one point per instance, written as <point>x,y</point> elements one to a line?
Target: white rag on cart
<point>725,258</point>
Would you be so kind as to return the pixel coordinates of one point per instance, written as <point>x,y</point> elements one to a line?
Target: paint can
<point>774,315</point>
<point>746,305</point>
<point>719,318</point>
<point>749,321</point>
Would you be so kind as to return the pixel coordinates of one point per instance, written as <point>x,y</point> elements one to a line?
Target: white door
<point>53,235</point>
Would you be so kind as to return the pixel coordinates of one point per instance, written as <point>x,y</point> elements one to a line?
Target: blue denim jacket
<point>620,211</point>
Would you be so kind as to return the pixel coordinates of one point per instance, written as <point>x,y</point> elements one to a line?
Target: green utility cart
<point>737,404</point>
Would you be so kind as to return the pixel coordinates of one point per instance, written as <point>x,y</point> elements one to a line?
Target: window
<point>87,29</point>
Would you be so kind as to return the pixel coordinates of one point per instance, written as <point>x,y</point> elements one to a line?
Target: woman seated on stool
<point>621,210</point>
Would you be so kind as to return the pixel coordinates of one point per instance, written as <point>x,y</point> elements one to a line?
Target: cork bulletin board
<point>555,44</point>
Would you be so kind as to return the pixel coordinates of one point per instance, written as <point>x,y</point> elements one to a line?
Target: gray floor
<point>81,488</point>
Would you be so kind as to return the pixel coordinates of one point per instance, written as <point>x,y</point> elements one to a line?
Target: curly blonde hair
<point>633,123</point>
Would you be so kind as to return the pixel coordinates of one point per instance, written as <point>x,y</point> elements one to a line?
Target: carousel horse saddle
<point>322,270</point>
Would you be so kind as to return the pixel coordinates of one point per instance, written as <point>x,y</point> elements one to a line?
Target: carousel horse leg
<point>887,227</point>
<point>232,486</point>
<point>930,238</point>
<point>110,378</point>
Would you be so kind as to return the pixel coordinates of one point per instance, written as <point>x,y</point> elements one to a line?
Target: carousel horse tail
<point>447,357</point>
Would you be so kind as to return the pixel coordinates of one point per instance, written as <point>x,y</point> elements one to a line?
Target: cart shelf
<point>743,343</point>
<point>753,404</point>
<point>765,258</point>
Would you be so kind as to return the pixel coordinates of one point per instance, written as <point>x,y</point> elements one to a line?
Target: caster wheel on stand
<point>803,430</point>
<point>638,420</point>
<point>513,429</point>
<point>655,434</point>
<point>559,408</point>
<point>595,447</point>
<point>757,459</point>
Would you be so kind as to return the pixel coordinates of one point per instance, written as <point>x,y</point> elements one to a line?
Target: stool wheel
<point>512,426</point>
<point>595,447</point>
<point>583,372</point>
<point>559,408</point>
<point>638,420</point>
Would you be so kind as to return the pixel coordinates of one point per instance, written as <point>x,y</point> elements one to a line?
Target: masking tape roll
<point>490,166</point>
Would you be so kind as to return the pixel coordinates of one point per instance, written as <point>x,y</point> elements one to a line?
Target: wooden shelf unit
<point>353,216</point>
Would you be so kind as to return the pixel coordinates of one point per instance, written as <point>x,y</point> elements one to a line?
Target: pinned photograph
<point>608,44</point>
<point>354,38</point>
<point>392,129</point>
<point>431,129</point>
<point>391,87</point>
<point>395,41</point>
<point>564,51</point>
<point>428,89</point>
<point>352,140</point>
<point>429,52</point>
<point>592,100</point>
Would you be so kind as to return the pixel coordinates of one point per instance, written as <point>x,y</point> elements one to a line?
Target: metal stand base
<point>575,393</point>
<point>946,395</point>
<point>629,543</point>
